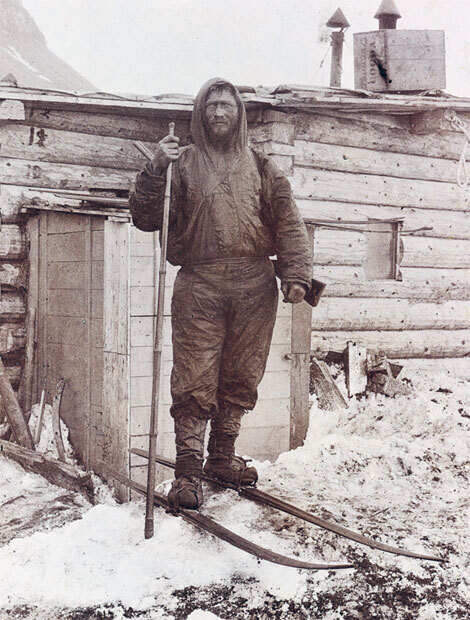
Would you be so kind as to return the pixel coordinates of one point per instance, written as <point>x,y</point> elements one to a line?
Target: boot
<point>222,462</point>
<point>186,489</point>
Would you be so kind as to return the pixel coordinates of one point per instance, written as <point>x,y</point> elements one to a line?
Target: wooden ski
<point>208,524</point>
<point>267,499</point>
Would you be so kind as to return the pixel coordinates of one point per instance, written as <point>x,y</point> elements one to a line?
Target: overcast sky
<point>173,46</point>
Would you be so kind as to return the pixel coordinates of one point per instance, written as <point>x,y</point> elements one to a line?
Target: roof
<point>284,97</point>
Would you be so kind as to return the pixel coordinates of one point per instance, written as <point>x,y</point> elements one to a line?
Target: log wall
<point>376,166</point>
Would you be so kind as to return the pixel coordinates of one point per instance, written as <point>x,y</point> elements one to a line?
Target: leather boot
<point>186,489</point>
<point>222,462</point>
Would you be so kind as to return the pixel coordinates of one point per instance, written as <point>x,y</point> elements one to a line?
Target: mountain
<point>25,55</point>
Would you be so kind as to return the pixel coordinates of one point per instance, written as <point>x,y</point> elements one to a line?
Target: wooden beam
<point>16,418</point>
<point>355,365</point>
<point>61,474</point>
<point>426,343</point>
<point>12,110</point>
<point>327,392</point>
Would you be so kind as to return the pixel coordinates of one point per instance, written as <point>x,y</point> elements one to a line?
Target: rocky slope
<point>25,55</point>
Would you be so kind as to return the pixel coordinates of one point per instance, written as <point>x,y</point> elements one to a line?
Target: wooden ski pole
<point>158,345</point>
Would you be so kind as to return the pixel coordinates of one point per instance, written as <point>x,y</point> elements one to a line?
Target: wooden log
<point>12,275</point>
<point>37,144</point>
<point>366,161</point>
<point>62,176</point>
<point>355,365</point>
<point>25,392</point>
<point>12,306</point>
<point>109,124</point>
<point>327,392</point>
<point>426,343</point>
<point>458,368</point>
<point>374,135</point>
<point>38,431</point>
<point>442,223</point>
<point>378,190</point>
<point>16,418</point>
<point>12,338</point>
<point>12,242</point>
<point>349,314</point>
<point>344,247</point>
<point>61,474</point>
<point>417,283</point>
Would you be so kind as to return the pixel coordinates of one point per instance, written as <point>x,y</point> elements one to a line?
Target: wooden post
<point>13,411</point>
<point>25,391</point>
<point>301,335</point>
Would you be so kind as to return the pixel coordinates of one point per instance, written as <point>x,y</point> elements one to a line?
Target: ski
<point>211,526</point>
<point>267,499</point>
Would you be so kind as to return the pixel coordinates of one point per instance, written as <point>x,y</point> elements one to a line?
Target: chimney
<point>337,20</point>
<point>391,60</point>
<point>388,15</point>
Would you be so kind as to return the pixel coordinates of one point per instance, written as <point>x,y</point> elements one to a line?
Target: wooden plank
<point>325,389</point>
<point>299,399</point>
<point>62,176</point>
<point>12,242</point>
<point>345,314</point>
<point>61,474</point>
<point>119,125</point>
<point>267,443</point>
<point>417,283</point>
<point>36,144</point>
<point>373,135</point>
<point>355,365</point>
<point>66,247</point>
<point>397,344</point>
<point>442,223</point>
<point>377,190</point>
<point>116,293</point>
<point>113,444</point>
<point>366,161</point>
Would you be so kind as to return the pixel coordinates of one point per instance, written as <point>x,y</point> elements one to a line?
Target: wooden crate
<point>399,60</point>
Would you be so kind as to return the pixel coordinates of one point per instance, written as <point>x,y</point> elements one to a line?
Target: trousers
<point>223,315</point>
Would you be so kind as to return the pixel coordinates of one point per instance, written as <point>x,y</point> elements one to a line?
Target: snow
<point>396,469</point>
<point>17,56</point>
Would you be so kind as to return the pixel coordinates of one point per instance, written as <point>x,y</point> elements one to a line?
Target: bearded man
<point>231,209</point>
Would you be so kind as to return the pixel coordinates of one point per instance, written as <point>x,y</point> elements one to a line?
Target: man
<point>231,209</point>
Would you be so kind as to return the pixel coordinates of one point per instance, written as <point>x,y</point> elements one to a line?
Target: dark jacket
<point>245,211</point>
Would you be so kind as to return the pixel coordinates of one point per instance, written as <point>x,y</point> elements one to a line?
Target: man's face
<point>221,115</point>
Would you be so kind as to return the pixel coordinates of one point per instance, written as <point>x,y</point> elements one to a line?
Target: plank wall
<point>375,166</point>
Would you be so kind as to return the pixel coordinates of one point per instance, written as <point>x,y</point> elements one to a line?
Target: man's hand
<point>167,151</point>
<point>293,292</point>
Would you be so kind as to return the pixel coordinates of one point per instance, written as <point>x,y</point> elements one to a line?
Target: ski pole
<point>158,345</point>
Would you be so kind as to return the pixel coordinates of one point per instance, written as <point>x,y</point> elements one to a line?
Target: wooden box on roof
<point>399,60</point>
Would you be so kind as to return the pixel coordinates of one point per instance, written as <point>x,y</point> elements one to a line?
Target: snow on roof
<point>284,96</point>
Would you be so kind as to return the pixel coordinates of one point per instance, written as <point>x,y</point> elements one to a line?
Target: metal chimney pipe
<point>388,15</point>
<point>337,20</point>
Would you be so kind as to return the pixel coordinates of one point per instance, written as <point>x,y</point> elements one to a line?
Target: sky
<point>173,46</point>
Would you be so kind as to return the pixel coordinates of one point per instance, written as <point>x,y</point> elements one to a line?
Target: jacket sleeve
<point>294,254</point>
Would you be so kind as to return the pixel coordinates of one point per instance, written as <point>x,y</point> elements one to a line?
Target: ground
<point>396,469</point>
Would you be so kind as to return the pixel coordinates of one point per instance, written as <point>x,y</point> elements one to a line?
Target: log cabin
<point>377,178</point>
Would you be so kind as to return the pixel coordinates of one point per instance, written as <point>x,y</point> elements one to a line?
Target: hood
<point>199,133</point>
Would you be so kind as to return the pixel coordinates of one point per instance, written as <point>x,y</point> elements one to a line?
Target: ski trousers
<point>223,315</point>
